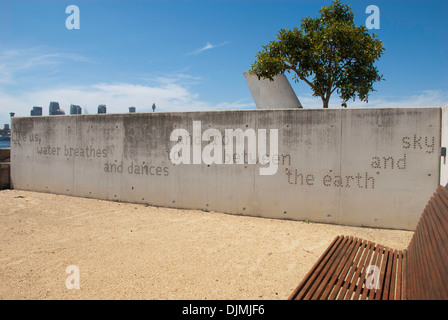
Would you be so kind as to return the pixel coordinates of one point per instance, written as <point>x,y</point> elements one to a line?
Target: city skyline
<point>191,55</point>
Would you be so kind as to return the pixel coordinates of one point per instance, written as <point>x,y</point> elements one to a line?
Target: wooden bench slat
<point>376,294</point>
<point>352,275</point>
<point>440,225</point>
<point>433,254</point>
<point>422,278</point>
<point>443,197</point>
<point>348,275</point>
<point>307,281</point>
<point>423,265</point>
<point>358,278</point>
<point>440,207</point>
<point>303,287</point>
<point>427,261</point>
<point>413,258</point>
<point>376,260</point>
<point>399,277</point>
<point>384,280</point>
<point>443,193</point>
<point>415,261</point>
<point>325,268</point>
<point>442,200</point>
<point>437,226</point>
<point>362,291</point>
<point>410,281</point>
<point>393,276</point>
<point>404,287</point>
<point>326,276</point>
<point>341,271</point>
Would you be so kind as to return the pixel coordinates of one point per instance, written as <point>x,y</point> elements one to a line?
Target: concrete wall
<point>362,167</point>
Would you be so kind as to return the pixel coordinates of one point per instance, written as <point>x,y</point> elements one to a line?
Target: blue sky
<point>191,55</point>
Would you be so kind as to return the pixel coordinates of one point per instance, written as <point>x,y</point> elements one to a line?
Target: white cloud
<point>426,98</point>
<point>18,61</point>
<point>208,46</point>
<point>168,95</point>
<point>170,92</point>
<point>240,104</point>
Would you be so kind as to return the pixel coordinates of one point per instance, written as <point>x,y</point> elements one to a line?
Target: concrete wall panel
<point>395,152</point>
<point>364,167</point>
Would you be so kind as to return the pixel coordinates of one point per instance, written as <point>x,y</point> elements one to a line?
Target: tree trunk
<point>325,102</point>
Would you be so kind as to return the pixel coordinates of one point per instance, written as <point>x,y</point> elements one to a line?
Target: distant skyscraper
<point>55,109</point>
<point>74,109</point>
<point>131,109</point>
<point>102,108</point>
<point>36,111</point>
<point>6,128</point>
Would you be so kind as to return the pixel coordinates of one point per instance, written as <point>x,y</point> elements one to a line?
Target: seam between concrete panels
<point>340,162</point>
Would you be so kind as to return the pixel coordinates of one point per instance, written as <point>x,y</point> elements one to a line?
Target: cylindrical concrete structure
<point>277,94</point>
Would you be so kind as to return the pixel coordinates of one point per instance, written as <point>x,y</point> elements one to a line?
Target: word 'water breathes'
<point>188,149</point>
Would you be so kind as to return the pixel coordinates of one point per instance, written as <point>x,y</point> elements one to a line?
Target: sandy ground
<point>128,251</point>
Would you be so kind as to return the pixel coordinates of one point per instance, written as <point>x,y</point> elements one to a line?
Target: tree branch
<point>301,77</point>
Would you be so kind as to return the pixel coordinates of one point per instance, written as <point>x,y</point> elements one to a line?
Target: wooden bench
<point>355,269</point>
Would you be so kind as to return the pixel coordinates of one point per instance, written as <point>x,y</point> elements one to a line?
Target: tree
<point>328,53</point>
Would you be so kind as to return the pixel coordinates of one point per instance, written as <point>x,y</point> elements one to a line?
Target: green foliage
<point>328,53</point>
